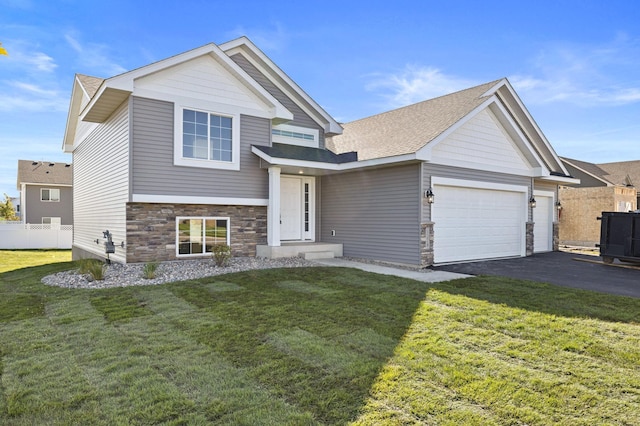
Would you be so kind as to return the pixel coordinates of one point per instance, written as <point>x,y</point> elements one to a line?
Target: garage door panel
<point>474,223</point>
<point>543,224</point>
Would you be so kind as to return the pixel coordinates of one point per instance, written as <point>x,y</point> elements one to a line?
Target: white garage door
<point>476,223</point>
<point>543,223</point>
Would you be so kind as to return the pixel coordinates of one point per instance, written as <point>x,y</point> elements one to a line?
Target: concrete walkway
<point>428,275</point>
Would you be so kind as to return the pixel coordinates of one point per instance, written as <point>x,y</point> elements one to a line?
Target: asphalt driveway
<point>558,268</point>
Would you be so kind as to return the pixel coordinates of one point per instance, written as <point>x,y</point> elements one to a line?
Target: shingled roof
<point>44,172</point>
<point>405,130</point>
<point>589,168</point>
<point>623,172</point>
<point>90,84</point>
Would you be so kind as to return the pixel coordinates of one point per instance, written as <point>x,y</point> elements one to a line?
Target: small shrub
<point>221,254</point>
<point>149,270</point>
<point>92,267</point>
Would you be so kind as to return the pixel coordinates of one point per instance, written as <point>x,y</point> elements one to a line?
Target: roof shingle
<point>405,130</point>
<point>44,172</point>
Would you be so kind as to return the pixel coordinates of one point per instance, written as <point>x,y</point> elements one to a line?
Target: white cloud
<point>584,75</point>
<point>23,56</point>
<point>94,56</point>
<point>21,96</point>
<point>415,84</point>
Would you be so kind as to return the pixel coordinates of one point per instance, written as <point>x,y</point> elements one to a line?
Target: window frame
<point>178,157</point>
<point>50,200</point>
<point>306,132</point>
<point>203,235</point>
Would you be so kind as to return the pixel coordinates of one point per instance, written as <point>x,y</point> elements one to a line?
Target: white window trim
<point>204,218</point>
<point>179,160</point>
<point>50,200</point>
<point>296,141</point>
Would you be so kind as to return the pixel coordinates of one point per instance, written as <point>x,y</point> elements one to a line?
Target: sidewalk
<point>428,276</point>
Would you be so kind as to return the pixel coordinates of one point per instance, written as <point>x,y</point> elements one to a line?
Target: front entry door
<point>297,208</point>
<point>290,208</point>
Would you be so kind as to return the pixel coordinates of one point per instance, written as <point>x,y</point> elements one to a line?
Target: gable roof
<point>413,128</point>
<point>280,79</point>
<point>623,172</point>
<point>104,96</point>
<point>405,130</point>
<point>44,172</point>
<point>589,168</point>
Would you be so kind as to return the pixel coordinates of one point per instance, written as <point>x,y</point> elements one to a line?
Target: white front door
<point>296,208</point>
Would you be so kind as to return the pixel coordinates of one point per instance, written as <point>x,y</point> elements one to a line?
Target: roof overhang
<point>537,167</point>
<point>316,168</point>
<point>114,91</point>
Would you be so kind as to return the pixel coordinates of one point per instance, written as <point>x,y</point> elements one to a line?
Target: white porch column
<point>273,208</point>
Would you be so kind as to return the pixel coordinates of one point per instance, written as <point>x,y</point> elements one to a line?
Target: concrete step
<point>311,255</point>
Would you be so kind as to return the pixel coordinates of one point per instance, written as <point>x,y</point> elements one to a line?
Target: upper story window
<point>49,194</point>
<point>206,139</point>
<point>206,136</point>
<point>294,135</point>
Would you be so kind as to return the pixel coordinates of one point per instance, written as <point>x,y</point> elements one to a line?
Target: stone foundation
<point>151,228</point>
<point>426,244</point>
<point>529,241</point>
<point>556,236</point>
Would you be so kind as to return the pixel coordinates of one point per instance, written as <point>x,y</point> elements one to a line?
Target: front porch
<point>307,250</point>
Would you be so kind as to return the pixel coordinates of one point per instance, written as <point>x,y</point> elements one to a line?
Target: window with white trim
<point>294,135</point>
<point>50,194</point>
<point>206,139</point>
<point>198,235</point>
<point>51,221</point>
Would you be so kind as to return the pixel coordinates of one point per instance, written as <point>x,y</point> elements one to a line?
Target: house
<point>219,145</point>
<point>603,187</point>
<point>46,193</point>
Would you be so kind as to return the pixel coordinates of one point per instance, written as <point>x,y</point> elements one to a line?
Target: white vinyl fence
<point>16,235</point>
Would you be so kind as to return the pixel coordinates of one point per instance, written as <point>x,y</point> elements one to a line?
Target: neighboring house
<point>46,193</point>
<point>603,187</point>
<point>16,206</point>
<point>219,145</point>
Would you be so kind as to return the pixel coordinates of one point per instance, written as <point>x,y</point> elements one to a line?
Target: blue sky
<point>575,64</point>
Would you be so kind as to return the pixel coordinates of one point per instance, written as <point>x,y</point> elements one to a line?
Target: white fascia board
<point>537,170</point>
<point>187,199</point>
<point>507,84</point>
<point>235,46</point>
<point>332,166</point>
<point>125,82</point>
<point>77,92</point>
<point>561,179</point>
<point>523,139</point>
<point>425,152</point>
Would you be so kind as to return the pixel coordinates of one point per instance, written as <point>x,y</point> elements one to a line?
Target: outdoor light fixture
<point>532,202</point>
<point>428,194</point>
<point>558,205</point>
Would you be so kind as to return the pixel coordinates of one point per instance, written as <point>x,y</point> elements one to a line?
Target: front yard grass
<point>316,346</point>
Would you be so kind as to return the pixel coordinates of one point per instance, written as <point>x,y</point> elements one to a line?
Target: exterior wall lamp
<point>532,202</point>
<point>558,205</point>
<point>428,194</point>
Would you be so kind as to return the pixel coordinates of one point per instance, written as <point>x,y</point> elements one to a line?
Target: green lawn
<point>316,346</point>
<point>15,259</point>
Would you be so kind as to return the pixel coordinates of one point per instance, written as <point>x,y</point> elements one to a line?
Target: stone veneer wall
<point>529,241</point>
<point>151,228</point>
<point>426,244</point>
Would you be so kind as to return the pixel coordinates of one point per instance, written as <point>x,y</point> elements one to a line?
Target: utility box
<point>620,236</point>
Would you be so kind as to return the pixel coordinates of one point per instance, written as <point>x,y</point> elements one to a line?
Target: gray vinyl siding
<point>586,180</point>
<point>154,173</point>
<point>101,184</point>
<point>36,209</point>
<point>300,118</point>
<point>429,170</point>
<point>375,213</point>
